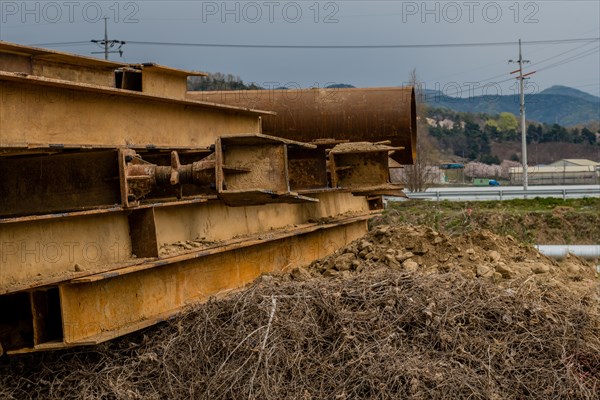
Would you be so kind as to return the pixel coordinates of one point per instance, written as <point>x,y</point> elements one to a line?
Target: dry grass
<point>538,221</point>
<point>380,334</point>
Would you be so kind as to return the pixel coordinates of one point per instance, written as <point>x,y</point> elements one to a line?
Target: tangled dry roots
<point>382,334</point>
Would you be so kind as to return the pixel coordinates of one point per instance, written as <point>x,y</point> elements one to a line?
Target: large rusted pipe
<point>358,115</point>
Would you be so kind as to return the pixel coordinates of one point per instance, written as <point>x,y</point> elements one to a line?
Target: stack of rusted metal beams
<point>124,198</point>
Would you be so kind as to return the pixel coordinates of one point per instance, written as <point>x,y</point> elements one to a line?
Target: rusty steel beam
<point>35,252</point>
<point>357,115</point>
<point>122,200</point>
<point>241,170</point>
<point>54,64</point>
<point>151,78</point>
<point>142,265</point>
<point>96,308</point>
<point>39,112</point>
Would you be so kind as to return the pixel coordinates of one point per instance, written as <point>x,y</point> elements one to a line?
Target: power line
<point>553,65</point>
<point>563,61</point>
<point>556,64</point>
<point>574,58</point>
<point>431,45</point>
<point>496,77</point>
<point>597,29</point>
<point>60,44</point>
<point>532,51</point>
<point>375,46</point>
<point>108,44</point>
<point>560,54</point>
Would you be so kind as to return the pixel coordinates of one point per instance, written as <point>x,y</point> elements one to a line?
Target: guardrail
<point>495,193</point>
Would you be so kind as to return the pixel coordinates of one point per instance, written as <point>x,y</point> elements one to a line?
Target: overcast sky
<point>332,23</point>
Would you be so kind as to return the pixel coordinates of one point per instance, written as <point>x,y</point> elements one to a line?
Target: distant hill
<point>558,104</point>
<point>567,91</point>
<point>340,86</point>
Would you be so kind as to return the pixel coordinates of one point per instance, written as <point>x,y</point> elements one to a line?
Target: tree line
<point>219,81</point>
<point>470,135</point>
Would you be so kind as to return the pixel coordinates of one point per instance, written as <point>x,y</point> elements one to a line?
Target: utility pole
<point>108,44</point>
<point>521,79</point>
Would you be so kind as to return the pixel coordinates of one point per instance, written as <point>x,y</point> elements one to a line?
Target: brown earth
<point>480,254</point>
<point>404,312</point>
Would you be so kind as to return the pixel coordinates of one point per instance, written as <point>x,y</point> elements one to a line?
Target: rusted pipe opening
<point>355,114</point>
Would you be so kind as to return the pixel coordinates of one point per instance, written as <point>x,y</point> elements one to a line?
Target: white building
<point>562,172</point>
<point>574,162</point>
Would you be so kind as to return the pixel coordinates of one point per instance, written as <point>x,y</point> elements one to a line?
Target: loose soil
<point>405,312</point>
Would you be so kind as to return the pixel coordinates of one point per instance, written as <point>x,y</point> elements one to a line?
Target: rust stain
<point>358,115</point>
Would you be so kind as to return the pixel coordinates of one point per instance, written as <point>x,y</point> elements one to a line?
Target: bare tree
<point>424,172</point>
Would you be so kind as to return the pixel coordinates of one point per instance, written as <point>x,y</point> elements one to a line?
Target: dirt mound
<point>405,312</point>
<point>480,254</point>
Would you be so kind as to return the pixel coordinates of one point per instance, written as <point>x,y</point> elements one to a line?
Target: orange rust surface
<point>41,112</point>
<point>359,115</point>
<point>40,252</point>
<point>100,310</point>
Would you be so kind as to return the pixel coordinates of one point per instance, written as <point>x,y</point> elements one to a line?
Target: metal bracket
<point>139,177</point>
<point>363,168</point>
<point>247,169</point>
<point>265,162</point>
